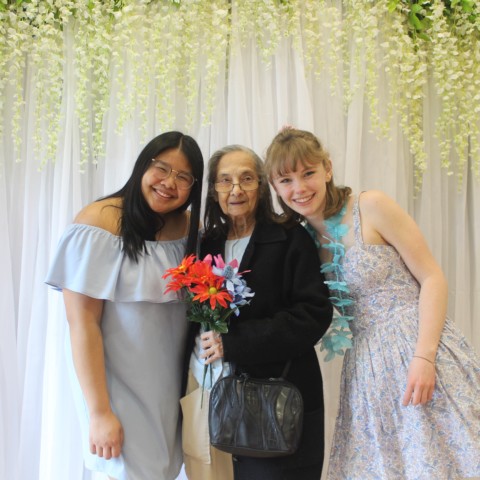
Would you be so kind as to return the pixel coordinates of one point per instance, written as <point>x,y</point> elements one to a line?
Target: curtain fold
<point>39,432</point>
<point>10,393</point>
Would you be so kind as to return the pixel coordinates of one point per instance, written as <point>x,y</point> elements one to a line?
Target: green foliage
<point>216,320</point>
<point>418,14</point>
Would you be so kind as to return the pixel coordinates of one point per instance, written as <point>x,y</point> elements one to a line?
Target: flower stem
<point>205,368</point>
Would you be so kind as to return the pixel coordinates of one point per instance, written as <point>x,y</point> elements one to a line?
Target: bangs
<point>287,157</point>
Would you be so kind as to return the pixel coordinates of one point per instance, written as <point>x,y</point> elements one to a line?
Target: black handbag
<point>254,417</point>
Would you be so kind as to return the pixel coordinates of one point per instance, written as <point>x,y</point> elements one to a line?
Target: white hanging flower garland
<point>176,50</point>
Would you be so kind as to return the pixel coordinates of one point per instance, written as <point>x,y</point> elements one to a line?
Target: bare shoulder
<point>104,214</point>
<point>381,217</point>
<point>377,204</point>
<point>384,216</point>
<point>373,199</point>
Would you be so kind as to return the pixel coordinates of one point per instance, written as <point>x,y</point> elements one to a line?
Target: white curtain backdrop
<point>38,427</point>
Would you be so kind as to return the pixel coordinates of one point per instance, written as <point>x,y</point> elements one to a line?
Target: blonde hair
<point>291,147</point>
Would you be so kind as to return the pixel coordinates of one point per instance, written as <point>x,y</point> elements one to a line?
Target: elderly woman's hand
<point>212,346</point>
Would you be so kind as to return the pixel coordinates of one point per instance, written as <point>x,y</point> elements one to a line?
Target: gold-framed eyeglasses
<point>247,185</point>
<point>183,180</point>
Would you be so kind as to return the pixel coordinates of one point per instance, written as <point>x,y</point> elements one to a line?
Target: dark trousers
<point>305,464</point>
<point>256,469</point>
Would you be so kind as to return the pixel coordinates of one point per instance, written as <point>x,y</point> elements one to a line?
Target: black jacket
<point>285,319</point>
<point>288,314</point>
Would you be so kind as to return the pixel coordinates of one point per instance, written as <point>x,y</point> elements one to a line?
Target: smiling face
<point>238,205</point>
<point>304,188</point>
<point>162,194</point>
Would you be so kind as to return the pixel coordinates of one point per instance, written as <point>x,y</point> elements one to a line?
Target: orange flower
<point>220,284</point>
<point>212,291</point>
<point>201,272</point>
<point>175,285</point>
<point>180,270</point>
<point>179,274</point>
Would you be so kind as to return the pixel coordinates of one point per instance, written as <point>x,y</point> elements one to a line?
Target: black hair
<point>138,222</point>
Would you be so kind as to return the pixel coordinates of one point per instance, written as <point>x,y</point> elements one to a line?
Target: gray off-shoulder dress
<point>143,333</point>
<point>376,437</point>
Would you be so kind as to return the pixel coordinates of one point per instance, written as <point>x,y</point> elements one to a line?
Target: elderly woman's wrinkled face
<point>236,185</point>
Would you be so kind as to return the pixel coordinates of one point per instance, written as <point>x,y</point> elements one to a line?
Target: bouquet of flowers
<point>213,290</point>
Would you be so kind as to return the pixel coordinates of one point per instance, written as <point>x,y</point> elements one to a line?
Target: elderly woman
<point>284,320</point>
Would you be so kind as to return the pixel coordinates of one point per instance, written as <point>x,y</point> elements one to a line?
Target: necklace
<point>338,337</point>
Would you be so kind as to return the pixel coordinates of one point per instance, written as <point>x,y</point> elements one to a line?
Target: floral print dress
<point>375,436</point>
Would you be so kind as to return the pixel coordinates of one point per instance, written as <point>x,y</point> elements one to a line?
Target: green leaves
<point>216,320</point>
<point>419,13</point>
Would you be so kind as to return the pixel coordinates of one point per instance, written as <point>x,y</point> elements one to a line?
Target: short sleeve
<point>90,260</point>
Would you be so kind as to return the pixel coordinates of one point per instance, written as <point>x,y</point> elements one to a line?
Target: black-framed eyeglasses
<point>183,180</point>
<point>247,185</point>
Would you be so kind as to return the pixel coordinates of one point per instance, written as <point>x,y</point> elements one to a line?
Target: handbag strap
<point>285,371</point>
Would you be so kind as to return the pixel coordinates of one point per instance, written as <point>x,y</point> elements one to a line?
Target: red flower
<point>212,290</point>
<point>219,284</point>
<point>175,285</point>
<point>201,272</point>
<point>181,270</point>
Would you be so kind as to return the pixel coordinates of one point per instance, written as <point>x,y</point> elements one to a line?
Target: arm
<point>383,218</point>
<point>84,317</point>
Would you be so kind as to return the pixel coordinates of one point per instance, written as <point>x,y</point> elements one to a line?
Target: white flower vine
<point>176,51</point>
